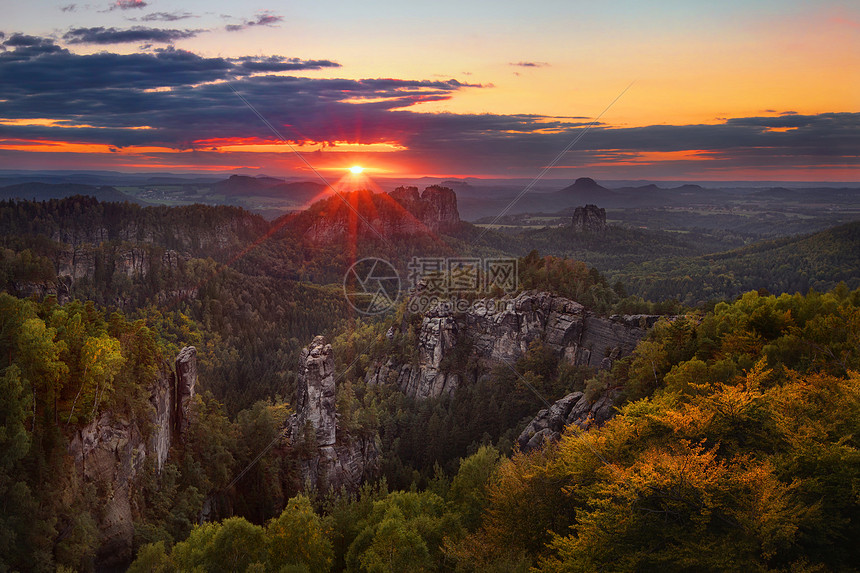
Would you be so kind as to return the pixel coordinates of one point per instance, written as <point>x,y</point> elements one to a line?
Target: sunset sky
<point>674,90</point>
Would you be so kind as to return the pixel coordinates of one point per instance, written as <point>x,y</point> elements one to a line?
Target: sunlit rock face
<point>497,331</point>
<point>589,219</point>
<point>326,456</point>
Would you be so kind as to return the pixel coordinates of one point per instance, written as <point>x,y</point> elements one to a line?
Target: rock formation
<point>574,408</point>
<point>441,207</point>
<point>401,212</point>
<point>589,219</point>
<point>334,459</point>
<point>315,398</point>
<point>185,378</point>
<point>497,330</point>
<point>112,451</point>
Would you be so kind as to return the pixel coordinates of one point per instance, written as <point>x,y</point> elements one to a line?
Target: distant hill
<point>793,264</point>
<point>614,248</point>
<point>586,190</point>
<point>244,185</point>
<point>299,192</point>
<point>47,191</point>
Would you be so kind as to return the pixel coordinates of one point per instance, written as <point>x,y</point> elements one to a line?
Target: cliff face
<point>111,451</point>
<point>573,409</point>
<point>402,212</point>
<point>334,459</point>
<point>435,208</point>
<point>196,231</point>
<point>500,330</point>
<point>103,240</point>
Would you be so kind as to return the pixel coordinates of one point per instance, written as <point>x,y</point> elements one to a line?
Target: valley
<point>189,364</point>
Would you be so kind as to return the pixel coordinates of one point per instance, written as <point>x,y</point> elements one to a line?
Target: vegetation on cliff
<point>737,450</point>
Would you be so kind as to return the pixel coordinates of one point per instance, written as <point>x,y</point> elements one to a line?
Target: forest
<point>733,446</point>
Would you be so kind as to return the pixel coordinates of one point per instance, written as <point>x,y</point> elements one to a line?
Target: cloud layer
<point>100,35</point>
<point>178,100</point>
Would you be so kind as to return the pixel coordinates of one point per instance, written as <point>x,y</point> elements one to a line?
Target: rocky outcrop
<point>111,451</point>
<point>575,408</point>
<point>185,379</point>
<point>589,219</point>
<point>495,331</point>
<point>345,464</point>
<point>435,209</point>
<point>315,398</point>
<point>327,457</point>
<point>441,207</point>
<point>402,212</point>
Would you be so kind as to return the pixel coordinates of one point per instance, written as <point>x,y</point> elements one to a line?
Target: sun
<point>356,169</point>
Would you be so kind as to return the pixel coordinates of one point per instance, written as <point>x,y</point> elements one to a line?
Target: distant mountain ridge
<point>243,185</point>
<point>47,191</point>
<point>788,265</point>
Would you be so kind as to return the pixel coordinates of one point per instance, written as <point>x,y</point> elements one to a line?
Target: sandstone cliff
<point>500,330</point>
<point>575,408</point>
<point>101,241</point>
<point>333,458</point>
<point>111,451</point>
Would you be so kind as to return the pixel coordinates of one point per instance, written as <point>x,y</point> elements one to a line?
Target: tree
<point>395,547</point>
<point>152,558</point>
<point>299,537</point>
<point>231,545</point>
<point>468,493</point>
<point>39,359</point>
<point>101,360</point>
<point>16,502</point>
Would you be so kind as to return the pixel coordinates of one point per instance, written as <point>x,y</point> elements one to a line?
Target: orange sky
<point>516,67</point>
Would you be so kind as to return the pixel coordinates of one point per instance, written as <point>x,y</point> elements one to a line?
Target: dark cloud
<point>28,47</point>
<point>262,19</point>
<point>17,40</point>
<point>101,35</point>
<point>128,4</point>
<point>181,101</point>
<point>39,71</point>
<point>281,64</point>
<point>167,16</point>
<point>529,64</point>
<point>69,7</point>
